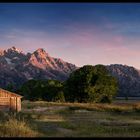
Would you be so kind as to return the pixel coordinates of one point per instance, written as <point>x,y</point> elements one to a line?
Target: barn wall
<point>13,103</point>
<point>4,101</point>
<point>10,100</point>
<point>18,101</point>
<point>4,93</point>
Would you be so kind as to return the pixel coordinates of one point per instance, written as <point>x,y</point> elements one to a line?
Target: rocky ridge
<point>17,67</point>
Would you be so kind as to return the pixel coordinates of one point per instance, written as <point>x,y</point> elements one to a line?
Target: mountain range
<point>128,78</point>
<point>17,67</point>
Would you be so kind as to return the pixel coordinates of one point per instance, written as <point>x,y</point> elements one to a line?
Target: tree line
<point>87,84</point>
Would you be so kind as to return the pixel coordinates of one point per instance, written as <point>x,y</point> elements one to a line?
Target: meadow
<point>50,119</point>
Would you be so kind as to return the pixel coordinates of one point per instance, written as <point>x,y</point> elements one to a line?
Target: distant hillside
<point>128,78</point>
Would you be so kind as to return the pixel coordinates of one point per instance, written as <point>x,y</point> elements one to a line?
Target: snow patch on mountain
<point>9,61</point>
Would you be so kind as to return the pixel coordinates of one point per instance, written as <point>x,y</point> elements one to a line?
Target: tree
<point>54,91</point>
<point>49,90</point>
<point>33,89</point>
<point>90,84</point>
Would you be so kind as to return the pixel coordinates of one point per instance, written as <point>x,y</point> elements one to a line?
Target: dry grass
<point>49,119</point>
<point>14,125</point>
<point>119,119</point>
<point>114,107</point>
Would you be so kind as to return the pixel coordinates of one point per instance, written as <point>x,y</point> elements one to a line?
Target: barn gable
<point>5,93</point>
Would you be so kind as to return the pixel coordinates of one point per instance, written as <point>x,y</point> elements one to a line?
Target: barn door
<point>13,105</point>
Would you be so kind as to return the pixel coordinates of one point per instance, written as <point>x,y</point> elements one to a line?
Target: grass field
<point>48,119</point>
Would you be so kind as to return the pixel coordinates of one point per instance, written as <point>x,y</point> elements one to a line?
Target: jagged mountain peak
<point>17,67</point>
<point>1,52</point>
<point>40,51</point>
<point>14,49</point>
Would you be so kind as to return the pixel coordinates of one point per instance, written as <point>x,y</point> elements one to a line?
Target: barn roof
<point>14,94</point>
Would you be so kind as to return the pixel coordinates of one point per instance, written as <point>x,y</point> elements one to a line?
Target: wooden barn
<point>10,101</point>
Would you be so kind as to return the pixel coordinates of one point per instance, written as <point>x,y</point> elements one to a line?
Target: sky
<point>79,33</point>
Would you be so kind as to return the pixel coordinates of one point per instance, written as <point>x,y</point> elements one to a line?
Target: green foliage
<point>54,91</point>
<point>49,90</point>
<point>33,89</point>
<point>87,84</point>
<point>59,97</point>
<point>10,87</point>
<point>90,84</point>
